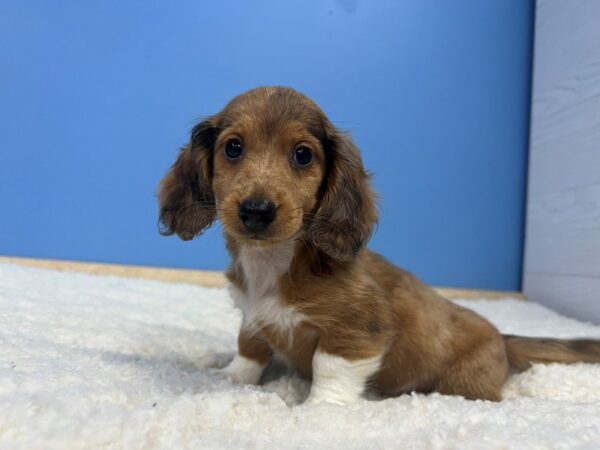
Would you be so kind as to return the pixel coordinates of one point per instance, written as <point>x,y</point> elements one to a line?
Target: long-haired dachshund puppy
<point>297,210</point>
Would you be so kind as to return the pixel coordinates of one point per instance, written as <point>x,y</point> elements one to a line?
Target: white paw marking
<point>338,380</point>
<point>243,370</point>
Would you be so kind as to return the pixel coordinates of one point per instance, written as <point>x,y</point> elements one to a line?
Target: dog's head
<point>273,168</point>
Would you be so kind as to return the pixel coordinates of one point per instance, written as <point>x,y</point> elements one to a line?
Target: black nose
<point>257,214</point>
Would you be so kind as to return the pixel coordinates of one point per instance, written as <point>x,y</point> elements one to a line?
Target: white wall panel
<point>562,248</point>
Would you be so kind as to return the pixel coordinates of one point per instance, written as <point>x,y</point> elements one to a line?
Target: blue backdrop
<point>97,96</point>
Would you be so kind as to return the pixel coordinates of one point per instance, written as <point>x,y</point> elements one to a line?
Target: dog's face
<point>272,168</point>
<point>268,166</point>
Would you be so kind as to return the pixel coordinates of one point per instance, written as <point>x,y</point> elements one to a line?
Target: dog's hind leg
<point>479,375</point>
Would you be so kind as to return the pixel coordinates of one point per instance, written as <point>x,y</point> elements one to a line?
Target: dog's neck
<point>261,266</point>
<point>255,270</point>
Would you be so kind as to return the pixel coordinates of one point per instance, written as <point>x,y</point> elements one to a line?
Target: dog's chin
<point>261,239</point>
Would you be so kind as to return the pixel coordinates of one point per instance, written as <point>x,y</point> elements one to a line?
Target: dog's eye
<point>234,149</point>
<point>302,156</point>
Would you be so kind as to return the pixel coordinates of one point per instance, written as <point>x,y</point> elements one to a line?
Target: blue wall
<point>96,97</point>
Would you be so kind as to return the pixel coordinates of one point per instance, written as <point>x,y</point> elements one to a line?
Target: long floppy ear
<point>347,212</point>
<point>187,202</point>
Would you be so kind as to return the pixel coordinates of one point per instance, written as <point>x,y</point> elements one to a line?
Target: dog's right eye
<point>234,149</point>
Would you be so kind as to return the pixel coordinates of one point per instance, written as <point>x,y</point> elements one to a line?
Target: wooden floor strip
<point>200,277</point>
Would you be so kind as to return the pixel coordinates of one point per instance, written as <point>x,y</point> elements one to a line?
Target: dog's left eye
<point>302,156</point>
<point>233,149</point>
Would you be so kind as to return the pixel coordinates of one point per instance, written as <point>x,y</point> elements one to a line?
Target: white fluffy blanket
<point>92,362</point>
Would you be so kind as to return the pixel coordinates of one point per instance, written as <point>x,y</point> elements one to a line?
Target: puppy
<point>297,210</point>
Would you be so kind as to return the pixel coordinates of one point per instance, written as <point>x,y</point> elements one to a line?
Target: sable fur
<point>351,301</point>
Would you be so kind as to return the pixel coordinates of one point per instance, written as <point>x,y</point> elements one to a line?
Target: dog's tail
<point>522,351</point>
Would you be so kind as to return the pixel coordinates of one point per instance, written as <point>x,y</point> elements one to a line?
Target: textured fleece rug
<point>95,362</point>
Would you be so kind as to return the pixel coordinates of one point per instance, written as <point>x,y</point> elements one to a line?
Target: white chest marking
<point>261,304</point>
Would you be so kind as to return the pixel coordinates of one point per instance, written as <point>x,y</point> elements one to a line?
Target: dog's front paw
<point>310,401</point>
<point>318,396</point>
<point>243,370</point>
